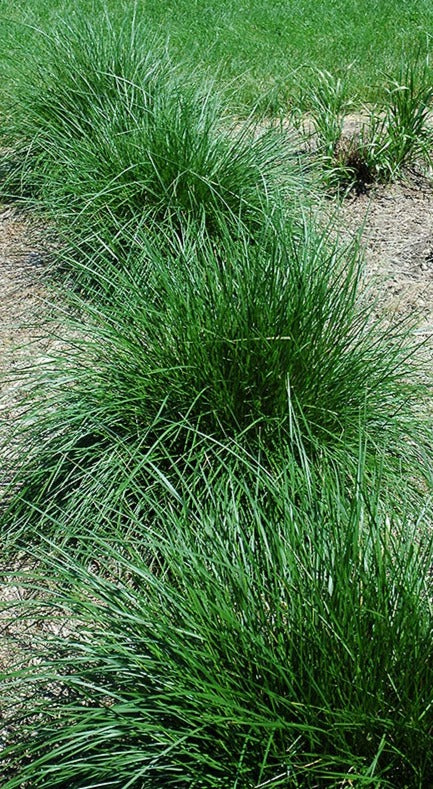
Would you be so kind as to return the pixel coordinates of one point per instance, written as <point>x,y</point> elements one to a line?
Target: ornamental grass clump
<point>235,342</point>
<point>326,102</point>
<point>104,129</point>
<point>259,634</point>
<point>400,134</point>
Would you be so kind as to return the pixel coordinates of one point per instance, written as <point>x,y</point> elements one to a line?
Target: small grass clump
<point>401,133</point>
<point>396,134</point>
<point>326,102</point>
<point>259,635</point>
<point>105,129</point>
<point>240,341</point>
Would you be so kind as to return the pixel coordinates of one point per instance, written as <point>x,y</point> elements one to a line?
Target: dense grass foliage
<point>402,131</point>
<point>242,341</point>
<point>394,135</point>
<point>103,129</point>
<point>265,47</point>
<point>259,636</point>
<point>220,466</point>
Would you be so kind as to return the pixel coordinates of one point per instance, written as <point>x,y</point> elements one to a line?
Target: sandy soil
<point>396,225</point>
<point>23,308</point>
<point>23,302</point>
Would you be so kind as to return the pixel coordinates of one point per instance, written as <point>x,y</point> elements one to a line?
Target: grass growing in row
<point>260,634</point>
<point>101,128</point>
<point>238,612</point>
<point>264,47</point>
<point>241,341</point>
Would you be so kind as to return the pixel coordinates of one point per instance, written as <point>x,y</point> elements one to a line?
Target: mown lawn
<point>264,48</point>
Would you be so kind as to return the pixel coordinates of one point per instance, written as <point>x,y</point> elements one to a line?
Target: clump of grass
<point>104,128</point>
<point>327,103</point>
<point>239,341</point>
<point>260,635</point>
<point>340,157</point>
<point>400,131</point>
<point>395,136</point>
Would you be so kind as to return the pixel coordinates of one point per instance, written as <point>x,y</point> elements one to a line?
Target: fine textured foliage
<point>104,128</point>
<point>258,45</point>
<point>326,102</point>
<point>400,131</point>
<point>240,341</point>
<point>395,134</point>
<point>220,476</point>
<point>261,635</point>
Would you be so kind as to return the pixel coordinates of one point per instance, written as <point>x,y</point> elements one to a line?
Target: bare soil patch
<point>23,305</point>
<point>23,310</point>
<point>396,223</point>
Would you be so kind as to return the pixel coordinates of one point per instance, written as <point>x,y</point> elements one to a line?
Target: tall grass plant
<point>105,129</point>
<point>239,341</point>
<point>259,634</point>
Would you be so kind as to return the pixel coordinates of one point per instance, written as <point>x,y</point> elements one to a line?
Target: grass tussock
<point>105,129</point>
<point>221,469</point>
<point>257,636</point>
<point>259,46</point>
<point>394,136</point>
<point>251,342</point>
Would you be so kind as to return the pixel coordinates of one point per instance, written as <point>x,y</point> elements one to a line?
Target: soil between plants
<point>23,308</point>
<point>395,223</point>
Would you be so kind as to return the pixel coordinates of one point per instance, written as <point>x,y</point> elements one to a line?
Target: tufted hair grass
<point>236,342</point>
<point>266,630</point>
<point>104,129</point>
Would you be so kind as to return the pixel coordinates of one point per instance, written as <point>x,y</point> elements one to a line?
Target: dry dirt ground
<point>396,225</point>
<point>23,306</point>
